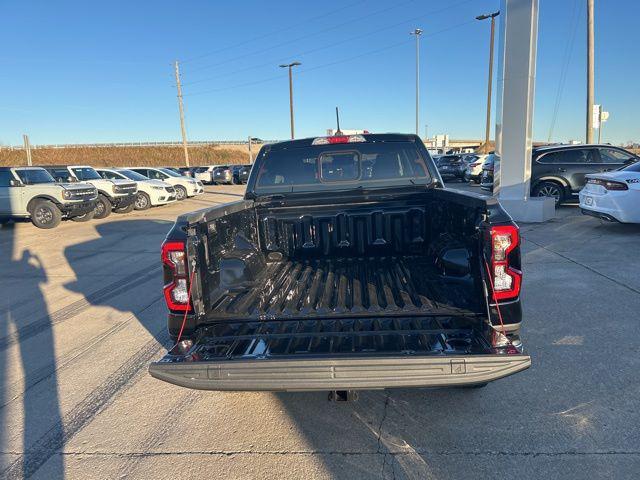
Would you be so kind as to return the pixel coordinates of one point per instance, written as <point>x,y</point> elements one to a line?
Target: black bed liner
<point>341,287</point>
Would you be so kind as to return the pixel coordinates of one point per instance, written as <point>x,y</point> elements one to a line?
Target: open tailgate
<point>338,354</point>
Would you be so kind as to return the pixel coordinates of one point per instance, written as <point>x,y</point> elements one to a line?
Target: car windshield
<point>131,175</point>
<point>448,160</point>
<point>86,173</point>
<point>341,166</point>
<point>171,173</point>
<point>34,176</point>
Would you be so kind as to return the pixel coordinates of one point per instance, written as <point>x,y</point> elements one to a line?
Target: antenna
<point>338,131</point>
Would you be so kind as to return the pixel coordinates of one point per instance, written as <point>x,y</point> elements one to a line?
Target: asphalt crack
<point>486,453</point>
<point>380,445</point>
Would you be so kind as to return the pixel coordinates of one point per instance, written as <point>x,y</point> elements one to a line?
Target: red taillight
<point>506,279</point>
<point>608,184</point>
<point>176,289</point>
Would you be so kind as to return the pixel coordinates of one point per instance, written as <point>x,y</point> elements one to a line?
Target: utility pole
<point>487,134</point>
<point>417,32</point>
<point>600,133</point>
<point>289,66</point>
<point>27,148</point>
<point>181,108</point>
<point>604,116</point>
<point>590,71</point>
<point>250,156</point>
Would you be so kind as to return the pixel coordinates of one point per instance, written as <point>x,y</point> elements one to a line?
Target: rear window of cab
<point>338,166</point>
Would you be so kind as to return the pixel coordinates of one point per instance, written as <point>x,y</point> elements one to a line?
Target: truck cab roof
<point>340,163</point>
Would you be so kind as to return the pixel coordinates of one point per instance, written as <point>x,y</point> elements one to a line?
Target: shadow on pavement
<point>27,265</point>
<point>129,251</point>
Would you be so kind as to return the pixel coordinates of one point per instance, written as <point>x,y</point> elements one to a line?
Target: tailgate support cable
<point>186,312</point>
<point>493,294</point>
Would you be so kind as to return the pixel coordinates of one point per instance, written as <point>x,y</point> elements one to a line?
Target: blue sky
<point>81,72</point>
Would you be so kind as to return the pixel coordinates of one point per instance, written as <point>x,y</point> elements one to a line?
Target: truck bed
<point>347,287</point>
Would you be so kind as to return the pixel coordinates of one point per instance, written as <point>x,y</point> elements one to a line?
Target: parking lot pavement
<point>82,316</point>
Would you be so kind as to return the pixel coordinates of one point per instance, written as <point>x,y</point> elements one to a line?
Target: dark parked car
<point>185,171</point>
<point>347,266</point>
<point>559,171</point>
<point>241,174</point>
<point>451,167</point>
<point>222,174</point>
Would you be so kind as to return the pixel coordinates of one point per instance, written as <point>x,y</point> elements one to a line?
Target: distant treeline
<point>125,156</point>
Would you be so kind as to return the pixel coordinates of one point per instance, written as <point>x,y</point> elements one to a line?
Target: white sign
<point>596,115</point>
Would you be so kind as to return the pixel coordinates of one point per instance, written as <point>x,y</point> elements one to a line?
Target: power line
<point>371,52</point>
<point>331,45</point>
<point>577,10</point>
<point>329,64</point>
<point>273,32</point>
<point>247,84</point>
<point>303,37</point>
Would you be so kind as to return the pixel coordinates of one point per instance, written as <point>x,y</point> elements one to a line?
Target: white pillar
<point>514,112</point>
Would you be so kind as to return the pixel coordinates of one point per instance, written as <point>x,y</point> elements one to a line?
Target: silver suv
<point>116,195</point>
<point>31,192</point>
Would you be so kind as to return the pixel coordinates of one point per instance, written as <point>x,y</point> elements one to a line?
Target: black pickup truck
<point>346,266</point>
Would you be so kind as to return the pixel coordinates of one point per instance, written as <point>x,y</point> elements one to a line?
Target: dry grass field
<point>127,156</point>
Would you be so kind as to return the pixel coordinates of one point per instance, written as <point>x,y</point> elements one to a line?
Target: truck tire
<point>84,218</point>
<point>103,207</point>
<point>45,214</point>
<point>143,202</point>
<point>181,192</point>
<point>127,209</point>
<point>551,189</point>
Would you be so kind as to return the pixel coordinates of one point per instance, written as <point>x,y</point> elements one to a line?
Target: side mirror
<point>16,183</point>
<point>71,179</point>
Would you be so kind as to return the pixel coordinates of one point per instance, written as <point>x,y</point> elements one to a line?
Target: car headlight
<point>115,189</point>
<point>67,195</point>
<point>154,187</point>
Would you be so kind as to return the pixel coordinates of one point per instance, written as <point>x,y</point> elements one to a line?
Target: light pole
<point>590,71</point>
<point>417,32</point>
<point>289,66</point>
<point>492,16</point>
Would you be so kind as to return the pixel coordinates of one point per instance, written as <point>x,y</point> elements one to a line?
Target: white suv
<point>116,195</point>
<point>31,192</point>
<point>474,168</point>
<point>185,186</point>
<point>204,173</point>
<point>151,193</point>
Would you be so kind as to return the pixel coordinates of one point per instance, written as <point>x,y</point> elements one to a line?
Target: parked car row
<point>464,167</point>
<point>217,174</point>
<point>604,178</point>
<point>48,194</point>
